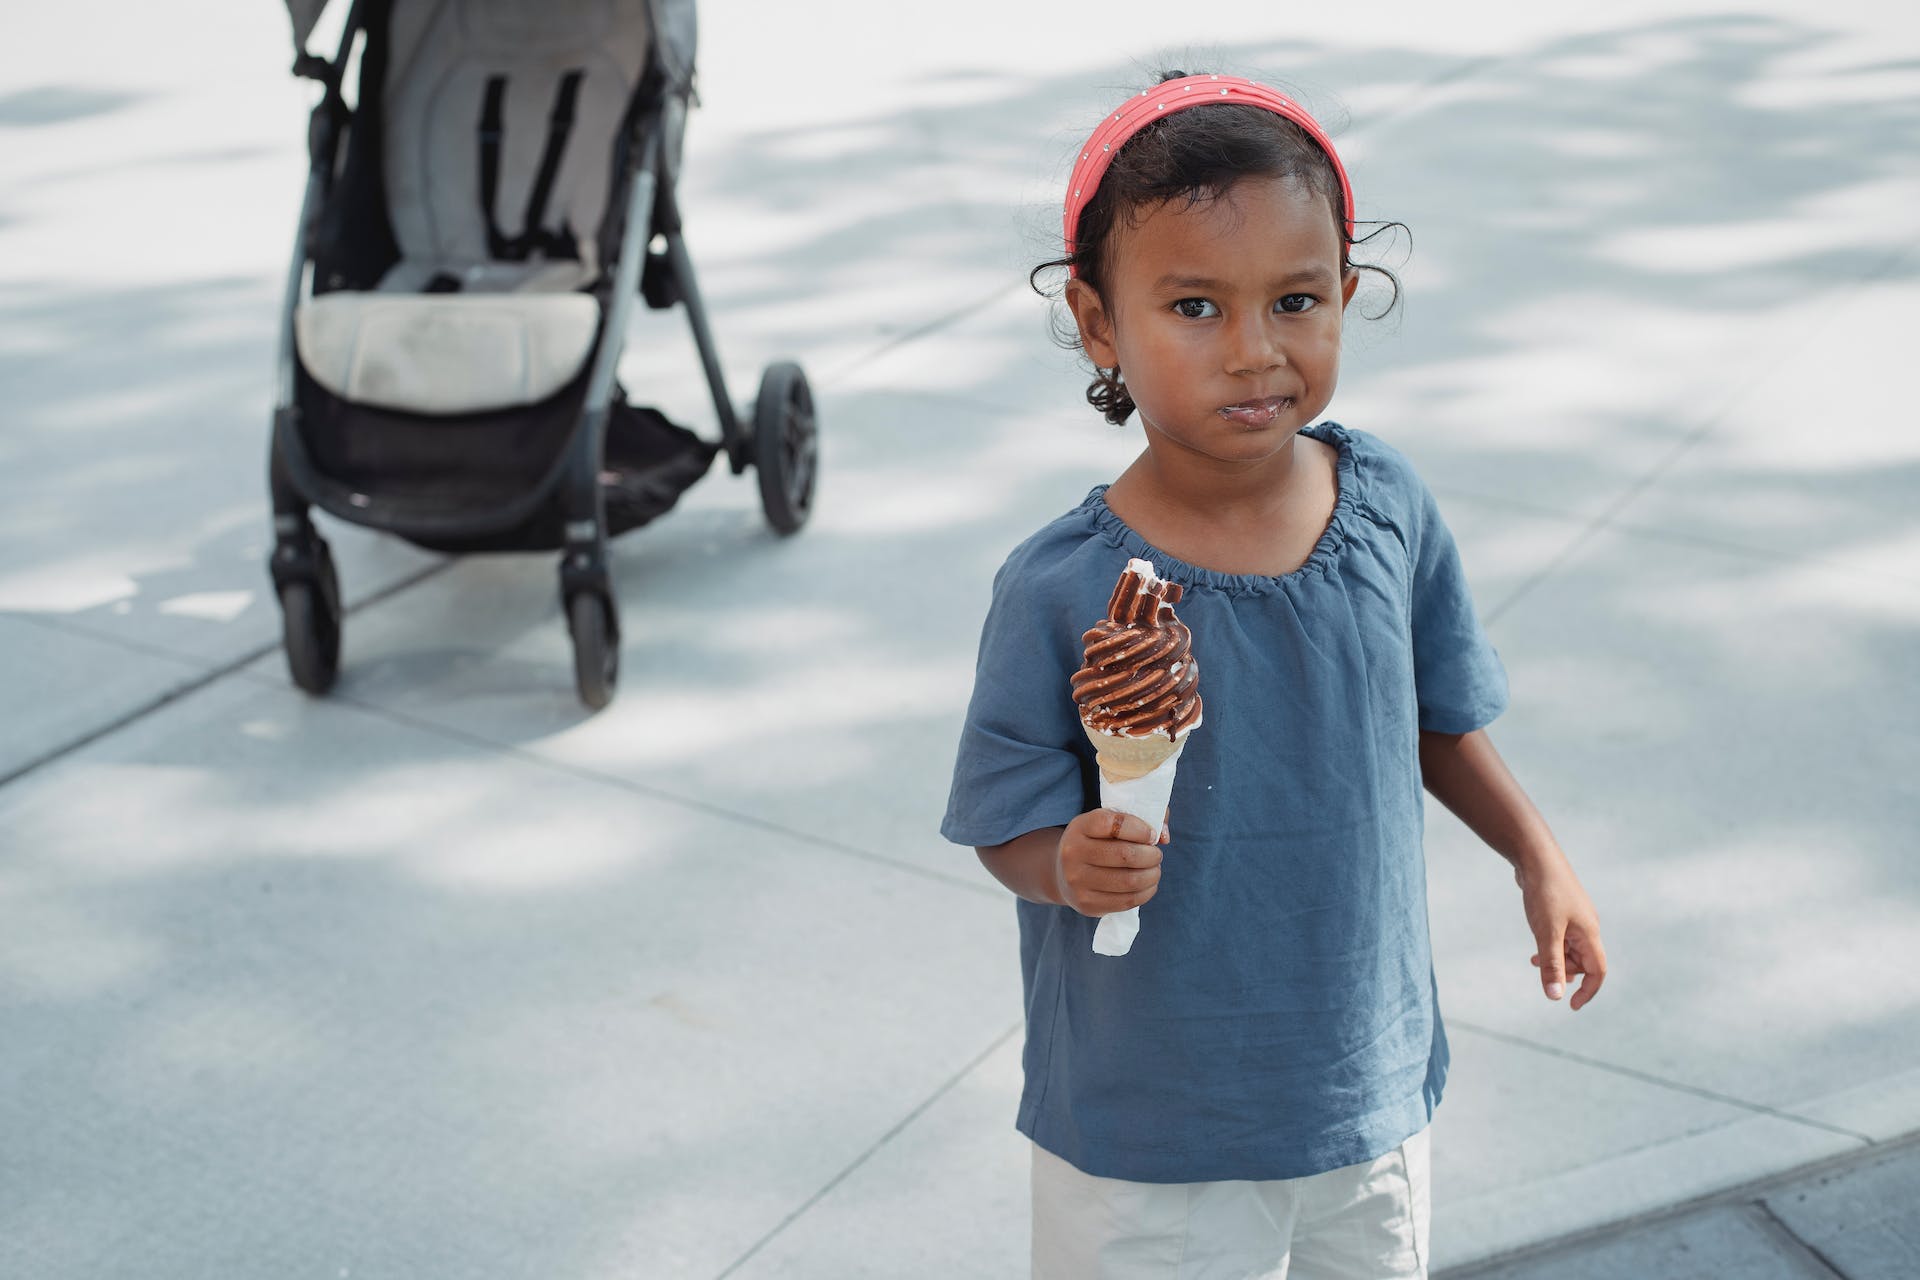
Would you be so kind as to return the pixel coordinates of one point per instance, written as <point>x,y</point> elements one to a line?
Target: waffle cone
<point>1123,759</point>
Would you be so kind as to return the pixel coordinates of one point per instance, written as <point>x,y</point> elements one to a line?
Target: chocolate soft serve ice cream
<point>1139,688</point>
<point>1138,692</point>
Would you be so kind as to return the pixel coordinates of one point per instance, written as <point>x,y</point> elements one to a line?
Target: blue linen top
<point>1277,1016</point>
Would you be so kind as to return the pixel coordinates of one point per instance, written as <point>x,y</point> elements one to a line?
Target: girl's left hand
<point>1565,927</point>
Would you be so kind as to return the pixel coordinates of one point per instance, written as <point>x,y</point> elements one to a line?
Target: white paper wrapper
<point>1145,798</point>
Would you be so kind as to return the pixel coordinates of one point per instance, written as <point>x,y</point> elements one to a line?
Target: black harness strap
<point>490,128</point>
<point>555,243</point>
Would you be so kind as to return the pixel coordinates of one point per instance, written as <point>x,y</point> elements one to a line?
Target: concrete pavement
<point>441,977</point>
<point>1852,1218</point>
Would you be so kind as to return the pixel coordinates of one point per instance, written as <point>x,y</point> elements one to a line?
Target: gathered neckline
<point>1318,561</point>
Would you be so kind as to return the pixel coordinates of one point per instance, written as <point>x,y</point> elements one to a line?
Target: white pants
<point>1364,1222</point>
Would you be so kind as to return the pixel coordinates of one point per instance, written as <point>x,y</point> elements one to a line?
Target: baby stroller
<point>448,376</point>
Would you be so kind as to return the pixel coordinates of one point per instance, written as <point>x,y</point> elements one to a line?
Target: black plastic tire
<point>311,629</point>
<point>786,446</point>
<point>596,658</point>
<point>658,285</point>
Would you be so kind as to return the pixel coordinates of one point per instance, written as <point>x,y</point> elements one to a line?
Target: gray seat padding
<point>515,332</point>
<point>443,54</point>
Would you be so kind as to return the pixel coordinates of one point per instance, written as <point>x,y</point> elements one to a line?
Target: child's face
<point>1224,318</point>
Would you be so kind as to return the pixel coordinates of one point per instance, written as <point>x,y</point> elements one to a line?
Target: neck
<point>1180,481</point>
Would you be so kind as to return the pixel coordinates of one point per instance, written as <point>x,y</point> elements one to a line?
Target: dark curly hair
<point>1194,156</point>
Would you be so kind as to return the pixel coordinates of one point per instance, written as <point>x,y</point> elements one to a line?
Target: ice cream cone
<point>1139,782</point>
<point>1138,695</point>
<point>1122,759</point>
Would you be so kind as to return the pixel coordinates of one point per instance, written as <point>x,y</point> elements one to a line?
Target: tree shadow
<point>1599,219</point>
<point>61,104</point>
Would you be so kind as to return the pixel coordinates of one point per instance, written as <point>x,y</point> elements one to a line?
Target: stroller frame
<point>653,261</point>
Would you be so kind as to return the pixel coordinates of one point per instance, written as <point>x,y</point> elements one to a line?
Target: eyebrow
<point>1307,275</point>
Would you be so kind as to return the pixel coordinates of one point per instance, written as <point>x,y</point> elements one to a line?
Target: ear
<point>1350,280</point>
<point>1094,322</point>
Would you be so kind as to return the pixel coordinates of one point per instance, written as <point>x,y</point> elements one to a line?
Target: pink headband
<point>1177,95</point>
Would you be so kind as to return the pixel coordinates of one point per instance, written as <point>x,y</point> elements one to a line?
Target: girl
<point>1247,1092</point>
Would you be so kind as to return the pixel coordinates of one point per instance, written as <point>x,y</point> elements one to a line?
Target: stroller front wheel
<point>311,626</point>
<point>596,658</point>
<point>786,446</point>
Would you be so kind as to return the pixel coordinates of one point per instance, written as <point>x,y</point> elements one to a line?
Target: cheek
<point>1322,346</point>
<point>1152,343</point>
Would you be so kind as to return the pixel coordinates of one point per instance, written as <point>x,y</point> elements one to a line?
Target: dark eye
<point>1297,302</point>
<point>1195,308</point>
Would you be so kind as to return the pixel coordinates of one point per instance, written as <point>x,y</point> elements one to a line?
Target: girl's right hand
<point>1108,862</point>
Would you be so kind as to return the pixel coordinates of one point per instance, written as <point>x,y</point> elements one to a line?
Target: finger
<point>1165,833</point>
<point>1095,903</point>
<point>1109,824</point>
<point>1589,988</point>
<point>1594,963</point>
<point>1122,854</point>
<point>1553,970</point>
<point>1110,880</point>
<point>1593,951</point>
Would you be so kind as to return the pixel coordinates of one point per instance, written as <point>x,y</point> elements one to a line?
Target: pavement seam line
<point>925,329</point>
<point>1749,1192</point>
<point>871,1151</point>
<point>61,626</point>
<point>1647,1077</point>
<point>1657,533</point>
<point>1744,388</point>
<point>141,712</point>
<point>1607,514</point>
<point>200,682</point>
<point>705,807</point>
<point>1788,1239</point>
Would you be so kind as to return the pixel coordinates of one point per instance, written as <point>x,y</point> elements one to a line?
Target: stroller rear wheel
<point>786,446</point>
<point>596,656</point>
<point>310,620</point>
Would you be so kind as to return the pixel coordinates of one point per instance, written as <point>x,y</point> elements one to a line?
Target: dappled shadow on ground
<point>132,469</point>
<point>133,472</point>
<point>419,1006</point>
<point>60,104</point>
<point>1611,231</point>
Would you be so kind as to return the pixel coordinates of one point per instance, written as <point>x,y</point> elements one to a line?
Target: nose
<point>1253,344</point>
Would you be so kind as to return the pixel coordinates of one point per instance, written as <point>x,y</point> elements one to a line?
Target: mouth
<point>1257,413</point>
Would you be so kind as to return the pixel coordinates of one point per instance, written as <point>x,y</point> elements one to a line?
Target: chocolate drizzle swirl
<point>1140,677</point>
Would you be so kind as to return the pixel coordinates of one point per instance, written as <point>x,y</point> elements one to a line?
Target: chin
<point>1234,444</point>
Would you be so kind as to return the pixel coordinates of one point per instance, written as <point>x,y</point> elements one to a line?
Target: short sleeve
<point>1019,767</point>
<point>1458,679</point>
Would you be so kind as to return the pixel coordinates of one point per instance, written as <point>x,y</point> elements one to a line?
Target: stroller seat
<point>492,112</point>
